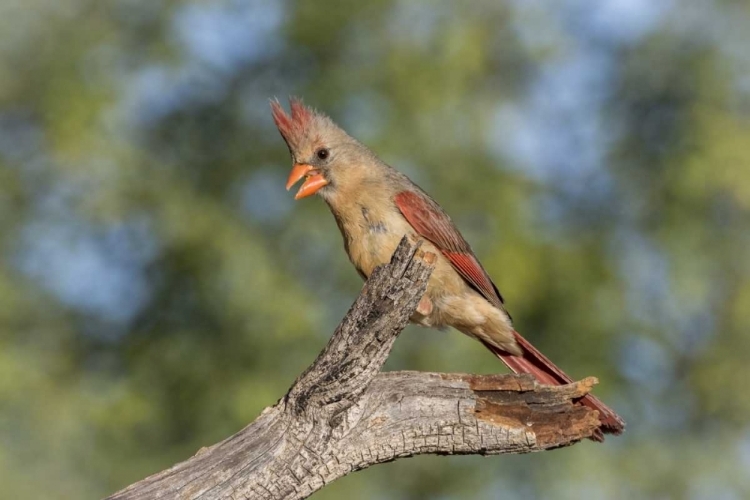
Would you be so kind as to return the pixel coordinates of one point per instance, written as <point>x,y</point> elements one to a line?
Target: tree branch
<point>342,415</point>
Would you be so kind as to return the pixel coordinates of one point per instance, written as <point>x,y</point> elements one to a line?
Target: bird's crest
<point>293,128</point>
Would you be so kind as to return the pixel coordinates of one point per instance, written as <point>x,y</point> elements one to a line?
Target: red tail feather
<point>545,372</point>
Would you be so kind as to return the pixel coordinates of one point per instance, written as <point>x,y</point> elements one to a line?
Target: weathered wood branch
<point>342,415</point>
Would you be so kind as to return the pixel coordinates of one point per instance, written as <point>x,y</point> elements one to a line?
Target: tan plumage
<point>372,228</point>
<point>375,206</point>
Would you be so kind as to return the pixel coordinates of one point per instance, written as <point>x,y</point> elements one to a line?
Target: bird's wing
<point>433,224</point>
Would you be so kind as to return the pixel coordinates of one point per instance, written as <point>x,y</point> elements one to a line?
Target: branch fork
<point>343,414</point>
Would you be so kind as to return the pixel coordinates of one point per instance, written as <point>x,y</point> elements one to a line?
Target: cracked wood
<point>343,415</point>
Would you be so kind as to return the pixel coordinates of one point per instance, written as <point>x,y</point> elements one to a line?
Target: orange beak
<point>313,182</point>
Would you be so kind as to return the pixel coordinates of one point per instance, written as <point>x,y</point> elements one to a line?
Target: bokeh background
<point>159,288</point>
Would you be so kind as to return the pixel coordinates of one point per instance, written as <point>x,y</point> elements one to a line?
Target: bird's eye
<point>322,153</point>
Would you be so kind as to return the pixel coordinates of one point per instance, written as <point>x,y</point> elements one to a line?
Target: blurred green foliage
<point>158,287</point>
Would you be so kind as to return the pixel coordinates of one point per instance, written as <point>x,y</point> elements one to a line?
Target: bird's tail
<point>545,372</point>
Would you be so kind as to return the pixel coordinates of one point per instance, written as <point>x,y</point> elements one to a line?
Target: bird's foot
<point>424,308</point>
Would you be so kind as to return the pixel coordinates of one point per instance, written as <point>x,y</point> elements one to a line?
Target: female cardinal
<point>375,206</point>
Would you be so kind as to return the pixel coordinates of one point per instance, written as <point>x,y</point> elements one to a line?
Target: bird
<point>375,206</point>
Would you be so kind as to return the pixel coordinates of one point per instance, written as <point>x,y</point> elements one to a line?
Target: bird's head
<point>320,149</point>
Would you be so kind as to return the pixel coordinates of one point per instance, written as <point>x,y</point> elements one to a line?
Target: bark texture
<point>342,415</point>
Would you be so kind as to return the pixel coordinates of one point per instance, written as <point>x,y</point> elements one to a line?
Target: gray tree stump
<point>342,415</point>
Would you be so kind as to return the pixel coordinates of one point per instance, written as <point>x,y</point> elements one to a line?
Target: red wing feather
<point>433,224</point>
<point>471,270</point>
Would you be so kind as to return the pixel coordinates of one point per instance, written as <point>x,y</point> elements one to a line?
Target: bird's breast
<point>372,237</point>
